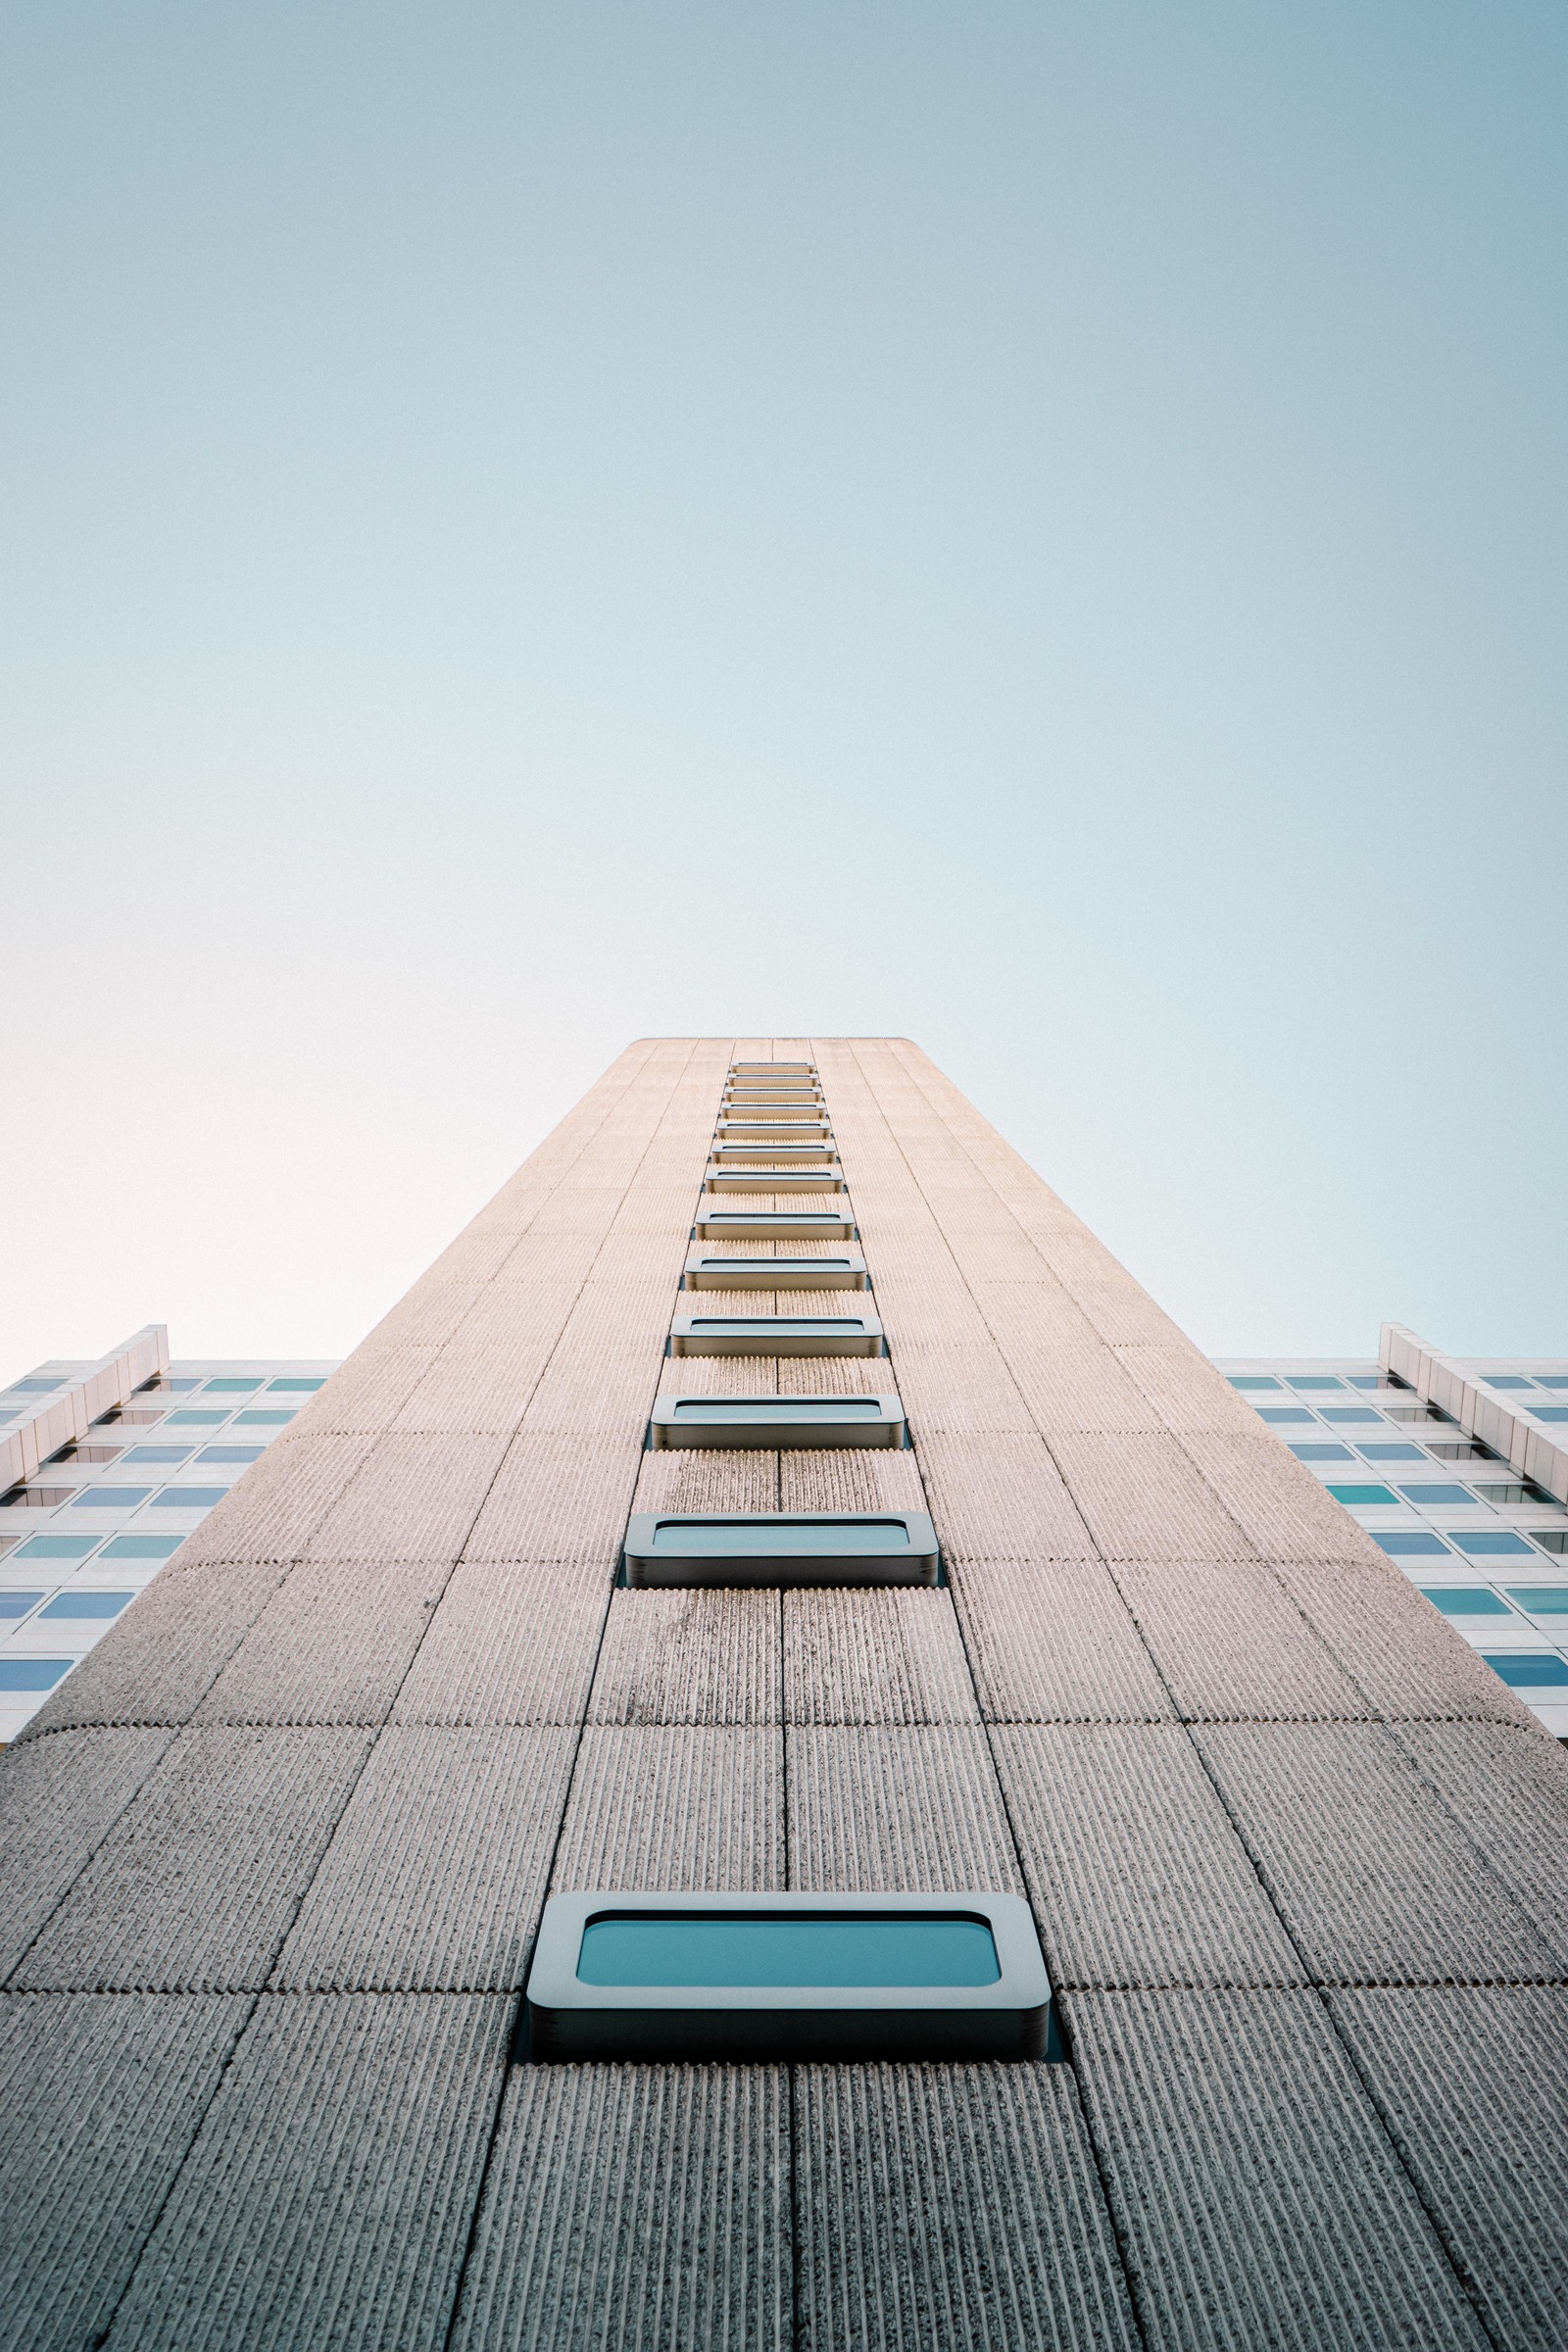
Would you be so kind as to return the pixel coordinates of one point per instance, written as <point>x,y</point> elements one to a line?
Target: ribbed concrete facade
<point>275,1854</point>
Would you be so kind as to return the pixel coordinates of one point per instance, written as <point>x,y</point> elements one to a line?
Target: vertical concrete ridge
<point>884,1806</point>
<point>953,2206</point>
<point>60,1798</point>
<point>891,1657</point>
<point>634,2209</point>
<point>678,1806</point>
<point>688,1657</point>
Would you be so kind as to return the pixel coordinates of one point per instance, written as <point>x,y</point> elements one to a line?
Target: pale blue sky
<point>1039,529</point>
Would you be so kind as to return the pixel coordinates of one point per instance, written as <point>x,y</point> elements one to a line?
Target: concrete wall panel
<point>688,1657</point>
<point>415,1498</point>
<point>59,1797</point>
<point>891,1657</point>
<point>675,1808</point>
<point>1142,1499</point>
<point>557,1498</point>
<point>1054,1643</point>
<point>156,1662</point>
<point>1001,1497</point>
<point>1231,1642</point>
<point>893,1807</point>
<point>510,1642</point>
<point>333,1646</point>
<point>1508,1787</point>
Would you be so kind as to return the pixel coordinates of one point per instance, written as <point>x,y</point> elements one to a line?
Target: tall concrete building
<point>777,1517</point>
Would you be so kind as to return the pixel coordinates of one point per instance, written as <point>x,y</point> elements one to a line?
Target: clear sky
<point>1036,529</point>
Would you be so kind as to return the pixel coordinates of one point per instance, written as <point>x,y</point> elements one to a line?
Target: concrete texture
<point>272,1860</point>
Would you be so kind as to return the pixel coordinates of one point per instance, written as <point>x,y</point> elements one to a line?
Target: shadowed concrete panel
<point>59,1799</point>
<point>156,1662</point>
<point>558,1499</point>
<point>197,1883</point>
<point>104,2094</point>
<point>414,1499</point>
<point>952,2206</point>
<point>281,1501</point>
<point>875,1658</point>
<point>1374,1876</point>
<point>1231,1642</point>
<point>510,1642</point>
<point>1054,1643</point>
<point>344,2151</point>
<point>1143,1501</point>
<point>1472,2082</point>
<point>897,1808</point>
<point>1136,1874</point>
<point>434,1877</point>
<point>634,2209</point>
<point>1000,1497</point>
<point>1256,2197</point>
<point>677,1808</point>
<point>1394,1644</point>
<point>688,1657</point>
<point>331,1645</point>
<point>1509,1788</point>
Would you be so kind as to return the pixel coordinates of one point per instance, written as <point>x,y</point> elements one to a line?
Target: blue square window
<point>1389,1453</point>
<point>141,1547</point>
<point>1541,1601</point>
<point>1549,1412</point>
<point>1527,1671</point>
<point>190,1498</point>
<point>291,1381</point>
<point>31,1673</point>
<point>1485,1542</point>
<point>35,1388</point>
<point>1366,1380</point>
<point>1317,1380</point>
<point>57,1548</point>
<point>1466,1601</point>
<point>1323,1453</point>
<point>1508,1380</point>
<point>1350,1412</point>
<point>17,1604</point>
<point>149,1454</point>
<point>1238,1380</point>
<point>1405,1544</point>
<point>235,1387</point>
<point>229,1454</point>
<point>1554,1380</point>
<point>192,1416</point>
<point>85,1606</point>
<point>1365,1499</point>
<point>109,1499</point>
<point>264,1420</point>
<point>1279,1414</point>
<point>1433,1496</point>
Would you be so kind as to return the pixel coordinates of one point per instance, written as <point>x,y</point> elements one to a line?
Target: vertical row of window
<point>654,1975</point>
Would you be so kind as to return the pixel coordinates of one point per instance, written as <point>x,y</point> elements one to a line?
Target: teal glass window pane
<point>1365,1497</point>
<point>739,1325</point>
<point>57,1548</point>
<point>1254,1380</point>
<point>634,1948</point>
<point>109,1499</point>
<point>1405,1544</point>
<point>1508,1380</point>
<point>229,1454</point>
<point>1282,1414</point>
<point>1433,1496</point>
<point>258,1419</point>
<point>195,1416</point>
<point>1484,1543</point>
<point>141,1547</point>
<point>289,1381</point>
<point>1542,1600</point>
<point>190,1498</point>
<point>166,1454</point>
<point>1317,1380</point>
<point>1350,1412</point>
<point>1549,1412</point>
<point>1466,1601</point>
<point>239,1386</point>
<point>17,1604</point>
<point>779,1408</point>
<point>1527,1673</point>
<point>85,1604</point>
<point>1389,1453</point>
<point>31,1673</point>
<point>762,1538</point>
<point>1323,1453</point>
